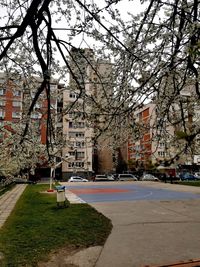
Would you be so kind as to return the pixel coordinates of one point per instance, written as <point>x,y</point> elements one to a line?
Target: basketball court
<point>125,191</point>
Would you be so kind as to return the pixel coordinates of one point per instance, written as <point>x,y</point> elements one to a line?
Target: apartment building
<point>140,150</point>
<point>160,140</point>
<point>10,99</point>
<point>16,96</point>
<point>153,144</point>
<point>79,125</point>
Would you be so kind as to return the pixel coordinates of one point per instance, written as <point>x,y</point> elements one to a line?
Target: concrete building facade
<point>85,155</point>
<point>153,143</point>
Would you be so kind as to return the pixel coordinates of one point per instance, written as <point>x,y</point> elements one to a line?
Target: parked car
<point>197,175</point>
<point>127,177</point>
<point>113,176</point>
<point>149,177</point>
<point>187,177</point>
<point>77,179</point>
<point>103,177</point>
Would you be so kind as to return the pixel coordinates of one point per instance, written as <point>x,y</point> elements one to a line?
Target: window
<point>80,144</point>
<point>131,149</point>
<point>2,114</point>
<point>80,124</point>
<point>161,154</point>
<point>16,115</point>
<point>2,91</point>
<point>17,93</point>
<point>16,104</point>
<point>36,115</point>
<point>73,95</point>
<point>161,144</point>
<point>2,103</point>
<point>37,105</point>
<point>53,86</point>
<point>33,94</point>
<point>80,154</point>
<point>137,147</point>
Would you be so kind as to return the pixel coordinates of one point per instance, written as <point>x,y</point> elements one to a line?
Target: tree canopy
<point>154,52</point>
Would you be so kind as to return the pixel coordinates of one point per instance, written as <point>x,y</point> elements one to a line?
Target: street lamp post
<point>52,171</point>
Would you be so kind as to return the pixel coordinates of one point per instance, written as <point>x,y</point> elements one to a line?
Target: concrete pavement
<point>8,201</point>
<point>149,233</point>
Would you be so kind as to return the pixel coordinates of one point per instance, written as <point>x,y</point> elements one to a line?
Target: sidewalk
<point>8,201</point>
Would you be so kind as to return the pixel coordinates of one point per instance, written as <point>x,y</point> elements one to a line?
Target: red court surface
<point>98,191</point>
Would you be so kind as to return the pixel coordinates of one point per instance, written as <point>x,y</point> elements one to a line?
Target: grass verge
<point>6,188</point>
<point>192,183</point>
<point>37,226</point>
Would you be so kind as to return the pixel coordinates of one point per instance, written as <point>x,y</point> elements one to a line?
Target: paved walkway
<point>8,201</point>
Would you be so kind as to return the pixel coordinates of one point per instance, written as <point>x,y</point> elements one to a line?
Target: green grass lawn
<point>37,226</point>
<point>192,183</point>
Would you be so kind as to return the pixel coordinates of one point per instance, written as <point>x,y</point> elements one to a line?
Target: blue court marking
<point>135,193</point>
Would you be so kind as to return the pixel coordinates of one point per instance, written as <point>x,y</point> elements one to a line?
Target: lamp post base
<point>50,190</point>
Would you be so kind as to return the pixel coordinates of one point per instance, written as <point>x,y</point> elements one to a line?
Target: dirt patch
<point>73,257</point>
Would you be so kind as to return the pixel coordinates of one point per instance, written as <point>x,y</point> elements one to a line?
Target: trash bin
<point>61,199</point>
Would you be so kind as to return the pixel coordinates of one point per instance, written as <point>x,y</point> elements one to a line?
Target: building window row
<point>15,92</point>
<point>16,103</point>
<point>161,154</point>
<point>77,154</point>
<point>77,164</point>
<point>79,124</point>
<point>36,116</point>
<point>76,114</point>
<point>77,144</point>
<point>77,134</point>
<point>73,95</point>
<point>16,114</point>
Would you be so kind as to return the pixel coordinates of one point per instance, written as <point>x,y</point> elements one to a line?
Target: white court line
<point>144,196</point>
<point>72,198</point>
